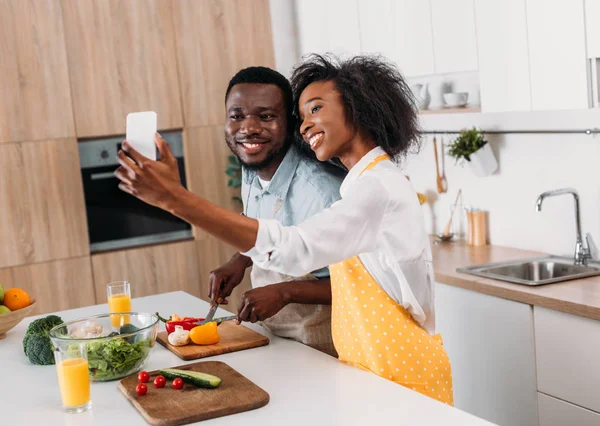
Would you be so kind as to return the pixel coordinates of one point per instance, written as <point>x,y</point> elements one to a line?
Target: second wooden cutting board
<point>233,338</point>
<point>170,407</point>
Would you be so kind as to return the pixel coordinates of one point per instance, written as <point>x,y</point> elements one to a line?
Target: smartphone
<point>141,128</point>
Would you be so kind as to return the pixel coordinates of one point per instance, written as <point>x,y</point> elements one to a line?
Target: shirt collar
<point>358,168</point>
<point>282,179</point>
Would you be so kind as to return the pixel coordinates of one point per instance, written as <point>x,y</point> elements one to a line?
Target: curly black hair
<point>264,75</point>
<point>375,96</point>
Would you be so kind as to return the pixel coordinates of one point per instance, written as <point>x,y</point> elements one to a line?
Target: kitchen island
<point>305,386</point>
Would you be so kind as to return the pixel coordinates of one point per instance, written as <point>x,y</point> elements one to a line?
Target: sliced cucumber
<point>202,380</point>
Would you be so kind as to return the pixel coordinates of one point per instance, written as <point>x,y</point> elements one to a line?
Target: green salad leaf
<point>115,358</point>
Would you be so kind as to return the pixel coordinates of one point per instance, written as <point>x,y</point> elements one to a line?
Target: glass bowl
<point>117,344</point>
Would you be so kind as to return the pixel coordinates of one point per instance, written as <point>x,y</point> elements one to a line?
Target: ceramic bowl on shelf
<point>10,320</point>
<point>456,100</point>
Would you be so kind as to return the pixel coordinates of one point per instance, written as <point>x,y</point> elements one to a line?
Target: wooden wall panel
<point>215,39</point>
<point>206,155</point>
<point>35,98</point>
<point>121,59</point>
<point>42,208</point>
<point>56,286</point>
<point>150,270</point>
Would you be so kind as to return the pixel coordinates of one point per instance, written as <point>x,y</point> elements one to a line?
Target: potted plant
<point>234,171</point>
<point>471,147</point>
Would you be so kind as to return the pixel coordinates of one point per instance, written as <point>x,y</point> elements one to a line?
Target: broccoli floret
<point>40,328</point>
<point>39,350</point>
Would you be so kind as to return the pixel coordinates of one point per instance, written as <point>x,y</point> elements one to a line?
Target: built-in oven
<point>116,219</point>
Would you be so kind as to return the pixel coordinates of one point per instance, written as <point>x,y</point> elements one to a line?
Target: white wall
<point>529,165</point>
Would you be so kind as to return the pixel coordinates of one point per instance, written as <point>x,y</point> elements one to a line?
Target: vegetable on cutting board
<point>179,337</point>
<point>201,380</point>
<point>206,334</point>
<point>175,320</point>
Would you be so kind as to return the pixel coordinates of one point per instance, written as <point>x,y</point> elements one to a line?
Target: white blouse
<point>380,220</point>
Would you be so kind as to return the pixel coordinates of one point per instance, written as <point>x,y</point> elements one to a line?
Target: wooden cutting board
<point>233,338</point>
<point>170,407</point>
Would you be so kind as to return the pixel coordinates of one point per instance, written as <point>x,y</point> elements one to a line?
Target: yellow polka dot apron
<point>373,332</point>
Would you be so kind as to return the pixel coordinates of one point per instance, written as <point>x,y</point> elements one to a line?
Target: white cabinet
<point>491,347</point>
<point>554,412</point>
<point>568,357</point>
<point>454,42</point>
<point>328,26</point>
<point>557,56</point>
<point>592,28</point>
<point>399,30</point>
<point>503,55</point>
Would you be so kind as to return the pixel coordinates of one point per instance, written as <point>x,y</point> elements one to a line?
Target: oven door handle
<point>104,175</point>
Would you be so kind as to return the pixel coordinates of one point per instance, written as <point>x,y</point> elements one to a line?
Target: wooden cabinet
<point>556,35</point>
<point>490,344</point>
<point>150,270</point>
<point>328,26</point>
<point>121,59</point>
<point>454,42</point>
<point>42,204</point>
<point>35,98</point>
<point>503,55</point>
<point>56,286</point>
<point>568,357</point>
<point>206,155</point>
<point>401,31</point>
<point>215,39</point>
<point>554,412</point>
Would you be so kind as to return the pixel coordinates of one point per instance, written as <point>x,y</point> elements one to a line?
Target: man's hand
<point>223,280</point>
<point>262,303</point>
<point>153,182</point>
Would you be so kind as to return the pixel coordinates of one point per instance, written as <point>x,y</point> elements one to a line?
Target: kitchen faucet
<point>582,254</point>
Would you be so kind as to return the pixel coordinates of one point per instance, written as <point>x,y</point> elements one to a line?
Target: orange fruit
<point>16,298</point>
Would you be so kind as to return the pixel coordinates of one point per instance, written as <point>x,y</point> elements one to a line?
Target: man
<point>280,182</point>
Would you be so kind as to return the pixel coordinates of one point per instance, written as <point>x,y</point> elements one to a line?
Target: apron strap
<point>376,161</point>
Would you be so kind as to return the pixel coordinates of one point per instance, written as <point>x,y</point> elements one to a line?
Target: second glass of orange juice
<point>73,377</point>
<point>119,300</point>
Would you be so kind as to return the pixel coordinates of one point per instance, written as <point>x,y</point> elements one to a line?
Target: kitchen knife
<point>211,312</point>
<point>217,320</point>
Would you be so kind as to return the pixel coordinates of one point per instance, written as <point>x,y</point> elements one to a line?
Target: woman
<point>361,112</point>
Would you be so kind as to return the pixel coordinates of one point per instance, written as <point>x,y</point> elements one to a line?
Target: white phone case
<point>141,128</point>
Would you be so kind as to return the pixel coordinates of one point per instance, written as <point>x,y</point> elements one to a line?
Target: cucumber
<point>201,380</point>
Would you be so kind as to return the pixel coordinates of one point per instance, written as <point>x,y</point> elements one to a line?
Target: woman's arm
<point>349,227</point>
<point>158,183</point>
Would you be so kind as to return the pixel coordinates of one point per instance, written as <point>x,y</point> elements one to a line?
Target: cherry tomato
<point>143,377</point>
<point>141,389</point>
<point>177,383</point>
<point>159,382</point>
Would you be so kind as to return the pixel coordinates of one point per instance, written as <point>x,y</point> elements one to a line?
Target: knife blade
<point>211,312</point>
<point>217,320</point>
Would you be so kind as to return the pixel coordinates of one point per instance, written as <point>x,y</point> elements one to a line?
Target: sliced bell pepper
<point>187,323</point>
<point>206,334</point>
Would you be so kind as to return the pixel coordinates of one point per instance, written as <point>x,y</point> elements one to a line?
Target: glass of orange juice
<point>73,377</point>
<point>119,300</point>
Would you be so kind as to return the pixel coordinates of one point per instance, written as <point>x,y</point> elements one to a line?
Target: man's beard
<point>268,160</point>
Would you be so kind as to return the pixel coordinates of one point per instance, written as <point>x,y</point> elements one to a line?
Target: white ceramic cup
<point>456,99</point>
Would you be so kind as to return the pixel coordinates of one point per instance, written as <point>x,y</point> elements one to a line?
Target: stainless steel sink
<point>537,271</point>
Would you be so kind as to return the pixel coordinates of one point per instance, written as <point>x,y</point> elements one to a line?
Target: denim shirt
<point>300,188</point>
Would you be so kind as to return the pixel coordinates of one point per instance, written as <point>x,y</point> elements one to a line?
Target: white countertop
<point>306,386</point>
